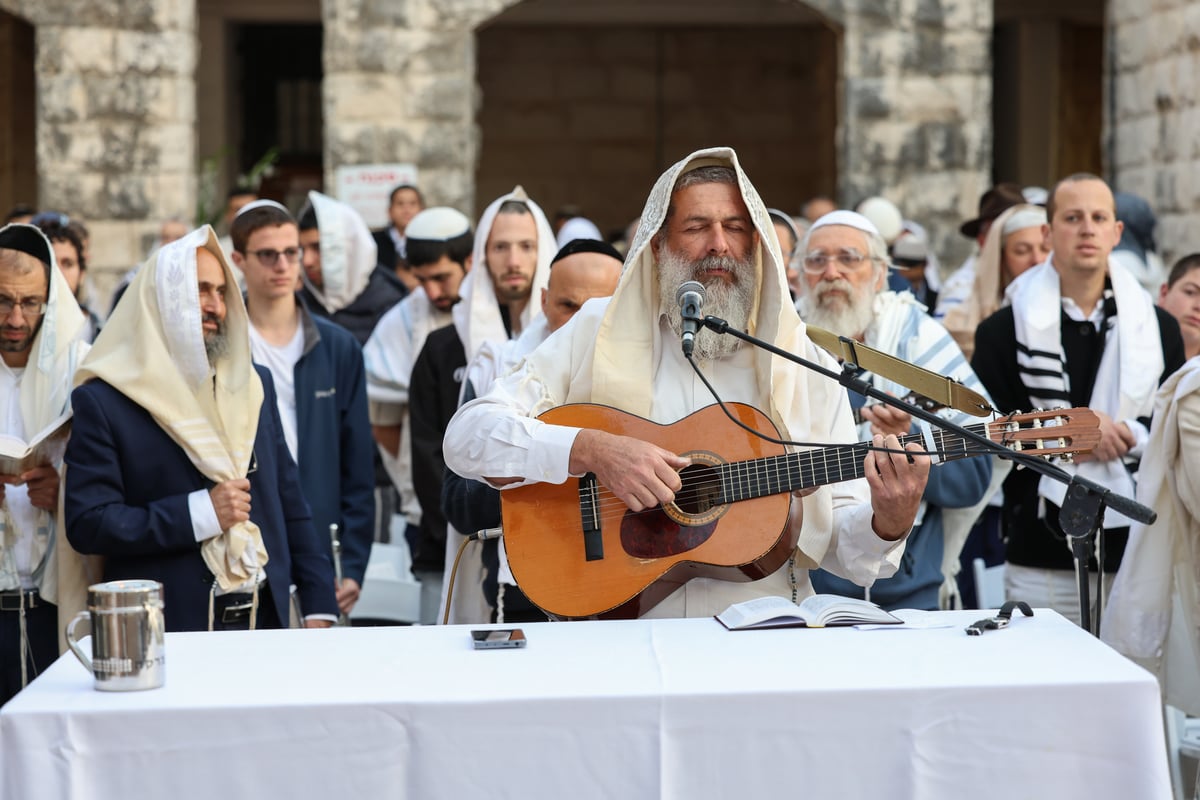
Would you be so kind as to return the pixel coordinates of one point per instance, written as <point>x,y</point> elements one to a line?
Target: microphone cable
<point>477,536</point>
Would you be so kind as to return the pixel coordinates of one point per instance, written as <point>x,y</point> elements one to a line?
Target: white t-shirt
<point>282,363</point>
<point>22,512</point>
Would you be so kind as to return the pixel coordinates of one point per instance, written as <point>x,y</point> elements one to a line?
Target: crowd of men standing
<point>247,401</point>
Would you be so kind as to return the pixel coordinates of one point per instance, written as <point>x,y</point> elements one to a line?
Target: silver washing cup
<point>126,619</point>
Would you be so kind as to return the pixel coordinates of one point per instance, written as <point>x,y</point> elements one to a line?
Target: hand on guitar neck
<point>640,474</point>
<point>885,420</point>
<point>897,483</point>
<point>643,475</point>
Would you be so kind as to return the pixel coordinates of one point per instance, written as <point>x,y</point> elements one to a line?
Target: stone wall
<point>914,99</point>
<point>916,127</point>
<point>400,87</point>
<point>1155,115</point>
<point>115,119</point>
<point>117,105</point>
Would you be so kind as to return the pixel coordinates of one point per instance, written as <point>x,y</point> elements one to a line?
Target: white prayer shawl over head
<point>1125,381</point>
<point>1153,614</point>
<point>987,294</point>
<point>623,376</point>
<point>621,372</point>
<point>348,253</point>
<point>152,351</point>
<point>477,315</point>
<point>45,394</point>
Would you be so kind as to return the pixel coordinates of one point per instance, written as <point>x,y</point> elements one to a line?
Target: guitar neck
<point>745,480</point>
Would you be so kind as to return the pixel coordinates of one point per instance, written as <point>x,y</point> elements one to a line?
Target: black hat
<point>586,246</point>
<point>994,202</point>
<point>28,239</point>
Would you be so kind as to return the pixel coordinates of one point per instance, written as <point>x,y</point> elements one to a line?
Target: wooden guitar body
<point>644,556</point>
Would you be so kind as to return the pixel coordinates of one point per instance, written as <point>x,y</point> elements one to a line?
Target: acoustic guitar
<point>578,552</point>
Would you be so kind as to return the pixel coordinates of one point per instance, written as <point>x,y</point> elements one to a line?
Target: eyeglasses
<point>270,256</point>
<point>29,307</point>
<point>847,260</point>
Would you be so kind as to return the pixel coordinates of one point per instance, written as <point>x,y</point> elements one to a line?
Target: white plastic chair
<point>989,584</point>
<point>389,591</point>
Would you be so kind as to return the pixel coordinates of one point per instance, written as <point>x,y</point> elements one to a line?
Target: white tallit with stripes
<point>1125,381</point>
<point>152,351</point>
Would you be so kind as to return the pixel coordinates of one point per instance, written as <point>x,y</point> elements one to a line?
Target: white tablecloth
<point>669,708</point>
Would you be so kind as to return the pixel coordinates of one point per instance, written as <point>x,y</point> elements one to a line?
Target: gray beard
<point>730,302</point>
<point>851,318</point>
<point>216,344</point>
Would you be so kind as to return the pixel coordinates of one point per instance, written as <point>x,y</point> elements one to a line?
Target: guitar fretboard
<point>760,477</point>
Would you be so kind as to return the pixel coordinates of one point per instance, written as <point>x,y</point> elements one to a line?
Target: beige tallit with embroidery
<point>152,351</point>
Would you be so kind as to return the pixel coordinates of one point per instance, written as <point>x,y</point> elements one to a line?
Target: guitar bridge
<point>589,510</point>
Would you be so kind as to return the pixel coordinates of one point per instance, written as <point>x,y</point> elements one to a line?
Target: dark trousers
<point>41,629</point>
<point>231,611</point>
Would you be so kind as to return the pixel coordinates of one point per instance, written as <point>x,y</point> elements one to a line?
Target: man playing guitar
<point>705,222</point>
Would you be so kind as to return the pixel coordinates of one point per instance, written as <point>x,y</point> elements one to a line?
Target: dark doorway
<point>18,123</point>
<point>590,114</point>
<point>1047,91</point>
<point>280,81</point>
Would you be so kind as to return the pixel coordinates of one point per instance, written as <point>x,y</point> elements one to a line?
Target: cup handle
<point>71,641</point>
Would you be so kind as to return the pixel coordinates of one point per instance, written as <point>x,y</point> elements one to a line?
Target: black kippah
<point>586,246</point>
<point>27,239</point>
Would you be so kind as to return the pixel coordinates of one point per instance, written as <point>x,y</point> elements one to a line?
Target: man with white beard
<point>703,221</point>
<point>845,273</point>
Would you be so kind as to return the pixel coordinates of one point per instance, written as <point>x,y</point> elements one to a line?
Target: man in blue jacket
<point>177,470</point>
<point>320,385</point>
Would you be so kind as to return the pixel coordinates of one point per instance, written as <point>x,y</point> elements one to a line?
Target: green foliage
<point>210,203</point>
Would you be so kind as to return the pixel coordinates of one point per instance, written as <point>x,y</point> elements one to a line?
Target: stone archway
<point>585,103</point>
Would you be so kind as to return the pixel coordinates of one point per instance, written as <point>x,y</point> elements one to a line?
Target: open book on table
<point>818,611</point>
<point>46,448</point>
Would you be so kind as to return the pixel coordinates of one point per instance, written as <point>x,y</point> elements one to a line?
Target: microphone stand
<point>1082,509</point>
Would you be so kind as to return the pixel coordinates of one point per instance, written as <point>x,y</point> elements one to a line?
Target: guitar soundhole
<point>701,489</point>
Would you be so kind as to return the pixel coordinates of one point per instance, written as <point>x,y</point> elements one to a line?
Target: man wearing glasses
<point>320,387</point>
<point>40,346</point>
<point>845,291</point>
<point>177,466</point>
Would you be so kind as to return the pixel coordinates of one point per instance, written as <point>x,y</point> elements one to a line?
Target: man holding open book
<point>40,346</point>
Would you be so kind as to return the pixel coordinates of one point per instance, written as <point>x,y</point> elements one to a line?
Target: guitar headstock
<point>1061,432</point>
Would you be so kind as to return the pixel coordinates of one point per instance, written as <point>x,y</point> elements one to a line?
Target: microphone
<point>690,297</point>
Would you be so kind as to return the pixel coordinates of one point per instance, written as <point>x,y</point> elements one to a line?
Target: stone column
<point>400,87</point>
<point>1153,120</point>
<point>115,120</point>
<point>916,121</point>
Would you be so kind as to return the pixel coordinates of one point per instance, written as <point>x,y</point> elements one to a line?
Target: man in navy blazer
<point>142,489</point>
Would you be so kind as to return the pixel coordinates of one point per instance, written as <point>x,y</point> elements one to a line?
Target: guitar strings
<point>1020,458</point>
<point>606,501</point>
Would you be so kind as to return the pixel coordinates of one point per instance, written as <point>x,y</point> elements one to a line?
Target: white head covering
<point>621,371</point>
<point>55,353</point>
<point>578,228</point>
<point>885,215</point>
<point>152,351</point>
<point>851,219</point>
<point>987,293</point>
<point>477,316</point>
<point>348,253</point>
<point>46,386</point>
